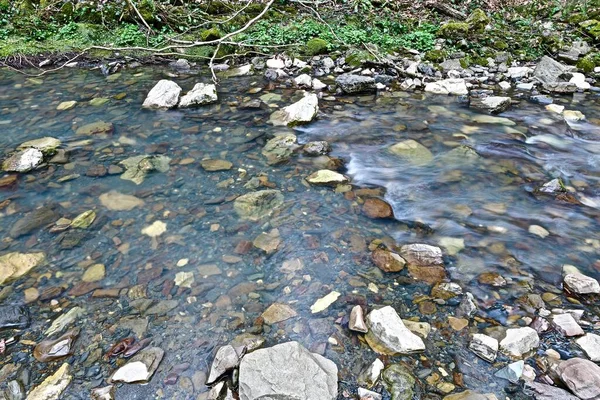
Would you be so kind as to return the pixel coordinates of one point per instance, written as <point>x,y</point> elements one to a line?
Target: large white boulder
<point>165,94</point>
<point>201,94</point>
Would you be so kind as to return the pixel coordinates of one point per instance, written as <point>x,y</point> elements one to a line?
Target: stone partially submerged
<point>200,95</point>
<point>53,386</point>
<point>23,160</point>
<point>15,265</point>
<point>254,206</point>
<point>137,167</point>
<point>388,334</point>
<point>581,284</point>
<point>455,86</point>
<point>301,112</point>
<point>287,371</point>
<point>140,368</point>
<point>351,84</point>
<point>581,376</point>
<point>164,95</point>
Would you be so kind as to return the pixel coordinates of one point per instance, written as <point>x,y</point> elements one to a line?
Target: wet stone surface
<point>399,242</point>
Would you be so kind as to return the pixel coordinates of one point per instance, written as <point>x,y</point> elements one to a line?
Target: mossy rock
<point>465,62</point>
<point>210,34</point>
<point>478,20</point>
<point>576,18</point>
<point>355,58</point>
<point>588,63</point>
<point>553,42</point>
<point>592,26</point>
<point>482,61</point>
<point>147,10</point>
<point>316,46</point>
<point>436,56</point>
<point>454,30</point>
<point>500,45</point>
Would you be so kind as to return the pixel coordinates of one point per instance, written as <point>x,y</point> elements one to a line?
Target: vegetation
<point>526,29</point>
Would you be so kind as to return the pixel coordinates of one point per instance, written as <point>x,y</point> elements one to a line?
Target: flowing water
<point>475,195</point>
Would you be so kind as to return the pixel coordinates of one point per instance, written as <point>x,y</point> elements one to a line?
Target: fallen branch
<point>132,5</point>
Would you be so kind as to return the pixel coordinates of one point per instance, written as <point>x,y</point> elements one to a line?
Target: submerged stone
<point>140,368</point>
<point>138,167</point>
<point>326,177</point>
<point>280,148</point>
<point>95,128</point>
<point>377,208</point>
<point>13,317</point>
<point>287,371</point>
<point>278,312</point>
<point>15,265</point>
<point>53,386</point>
<point>23,160</point>
<point>399,382</point>
<point>47,145</point>
<point>116,201</point>
<point>50,350</point>
<point>254,206</point>
<point>387,261</point>
<point>216,165</point>
<point>412,151</point>
<point>324,302</point>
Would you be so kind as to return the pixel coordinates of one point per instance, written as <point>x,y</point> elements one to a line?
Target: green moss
<point>500,45</point>
<point>355,58</point>
<point>454,30</point>
<point>465,62</point>
<point>211,34</point>
<point>316,46</point>
<point>436,56</point>
<point>482,61</point>
<point>478,20</point>
<point>592,27</point>
<point>588,63</point>
<point>147,10</point>
<point>576,18</point>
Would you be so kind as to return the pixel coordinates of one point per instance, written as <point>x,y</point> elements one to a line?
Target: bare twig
<point>132,4</point>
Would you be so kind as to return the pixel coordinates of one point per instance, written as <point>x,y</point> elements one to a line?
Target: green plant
<point>129,35</point>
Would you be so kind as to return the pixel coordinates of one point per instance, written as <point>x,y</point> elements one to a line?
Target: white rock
<point>484,346</point>
<point>519,341</point>
<point>504,85</point>
<point>581,284</point>
<point>184,279</point>
<point>357,321</point>
<point>448,86</point>
<point>512,372</point>
<point>519,72</point>
<point>590,343</point>
<point>328,63</point>
<point>318,85</point>
<point>165,94</point>
<point>303,80</point>
<point>538,231</point>
<point>23,160</point>
<point>242,70</point>
<point>388,334</point>
<point>326,177</point>
<point>201,94</point>
<point>370,375</point>
<point>525,86</point>
<point>131,372</point>
<point>299,63</point>
<point>573,115</point>
<point>302,111</point>
<point>555,108</point>
<point>53,386</point>
<point>453,74</point>
<point>579,80</point>
<point>324,302</point>
<point>566,324</point>
<point>275,63</point>
<point>365,394</point>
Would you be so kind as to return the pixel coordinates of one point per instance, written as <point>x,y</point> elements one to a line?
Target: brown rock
<point>357,320</point>
<point>387,261</point>
<point>96,171</point>
<point>377,208</point>
<point>50,350</point>
<point>431,275</point>
<point>491,278</point>
<point>582,377</point>
<point>278,312</point>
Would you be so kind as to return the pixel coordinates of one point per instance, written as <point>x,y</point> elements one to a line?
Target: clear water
<point>487,198</point>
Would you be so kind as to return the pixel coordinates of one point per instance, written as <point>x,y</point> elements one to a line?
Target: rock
<point>538,231</point>
<point>573,116</point>
<point>83,220</point>
<point>549,70</point>
<point>301,112</point>
<point>225,360</point>
<point>582,377</point>
<point>456,87</point>
<point>287,371</point>
<point>155,229</point>
<point>254,206</point>
<point>50,350</point>
<point>540,391</point>
<point>377,208</point>
<point>318,85</point>
<point>512,372</point>
<point>162,307</point>
<point>452,64</point>
<point>64,320</point>
<point>23,160</point>
<point>181,65</point>
<point>47,145</point>
<point>53,386</point>
<point>280,148</point>
<point>388,334</point>
<point>484,346</point>
<point>216,165</point>
<point>103,393</point>
<point>370,375</point>
<point>365,394</point>
<point>422,255</point>
<point>492,104</point>
<point>278,312</point>
<point>458,324</point>
<point>140,368</point>
<point>519,341</point>
<point>15,265</point>
<point>559,87</point>
<point>412,151</point>
<point>165,94</point>
<point>200,95</point>
<point>357,321</point>
<point>96,128</point>
<point>268,241</point>
<point>351,84</point>
<point>326,177</point>
<point>94,273</point>
<point>579,80</point>
<point>303,80</point>
<point>116,201</point>
<point>137,167</point>
<point>590,343</point>
<point>387,261</point>
<point>446,290</point>
<point>13,317</point>
<point>581,284</point>
<point>566,324</point>
<point>34,220</point>
<point>467,306</point>
<point>470,395</point>
<point>453,246</point>
<point>275,63</point>
<point>66,105</point>
<point>324,302</point>
<point>504,85</point>
<point>243,70</point>
<point>315,149</point>
<point>519,72</point>
<point>423,329</point>
<point>399,382</point>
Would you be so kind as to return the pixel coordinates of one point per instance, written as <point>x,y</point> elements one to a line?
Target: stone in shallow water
<point>64,320</point>
<point>519,341</point>
<point>268,241</point>
<point>590,343</point>
<point>399,382</point>
<point>324,302</point>
<point>34,220</point>
<point>448,86</point>
<point>326,177</point>
<point>412,151</point>
<point>94,273</point>
<point>15,265</point>
<point>66,105</point>
<point>103,393</point>
<point>225,360</point>
<point>387,261</point>
<point>377,208</point>
<point>280,148</point>
<point>287,371</point>
<point>254,206</point>
<point>492,104</point>
<point>47,145</point>
<point>137,167</point>
<point>140,368</point>
<point>512,372</point>
<point>278,312</point>
<point>53,386</point>
<point>200,95</point>
<point>365,394</point>
<point>165,94</point>
<point>540,391</point>
<point>582,377</point>
<point>566,324</point>
<point>155,229</point>
<point>470,395</point>
<point>357,320</point>
<point>388,334</point>
<point>83,220</point>
<point>581,284</point>
<point>95,128</point>
<point>23,160</point>
<point>50,350</point>
<point>422,255</point>
<point>13,317</point>
<point>216,165</point>
<point>116,201</point>
<point>452,245</point>
<point>301,112</point>
<point>351,84</point>
<point>317,148</point>
<point>484,346</point>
